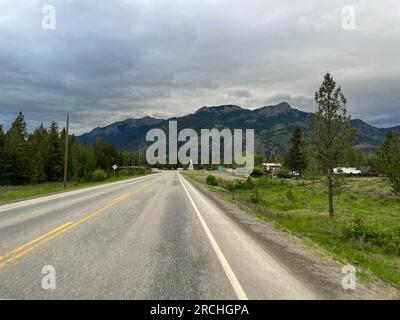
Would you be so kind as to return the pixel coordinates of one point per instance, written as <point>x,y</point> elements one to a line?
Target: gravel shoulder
<point>309,264</point>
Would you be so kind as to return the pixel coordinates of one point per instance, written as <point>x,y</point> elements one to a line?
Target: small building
<point>366,171</point>
<point>272,168</point>
<point>347,171</point>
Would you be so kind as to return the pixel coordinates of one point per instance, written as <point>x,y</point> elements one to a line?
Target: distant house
<point>360,171</point>
<point>347,171</point>
<point>367,171</point>
<point>272,168</point>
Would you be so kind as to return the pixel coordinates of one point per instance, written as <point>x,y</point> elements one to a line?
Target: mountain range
<point>273,127</point>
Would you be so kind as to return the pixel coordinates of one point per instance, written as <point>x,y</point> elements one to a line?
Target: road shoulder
<point>70,188</point>
<point>306,262</point>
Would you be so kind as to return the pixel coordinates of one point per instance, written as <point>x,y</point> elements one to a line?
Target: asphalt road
<point>154,237</point>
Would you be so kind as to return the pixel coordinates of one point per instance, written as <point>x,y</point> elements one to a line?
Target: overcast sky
<point>112,60</point>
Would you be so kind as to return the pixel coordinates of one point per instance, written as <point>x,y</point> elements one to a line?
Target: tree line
<point>27,158</point>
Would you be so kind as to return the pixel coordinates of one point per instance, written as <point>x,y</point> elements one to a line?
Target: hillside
<point>273,126</point>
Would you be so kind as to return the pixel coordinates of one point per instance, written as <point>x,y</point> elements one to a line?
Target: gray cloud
<point>108,61</point>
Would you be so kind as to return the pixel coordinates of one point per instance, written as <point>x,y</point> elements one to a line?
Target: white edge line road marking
<point>63,194</point>
<point>225,265</point>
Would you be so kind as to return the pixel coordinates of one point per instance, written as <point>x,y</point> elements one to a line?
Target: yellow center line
<point>114,202</point>
<point>10,253</point>
<point>28,247</point>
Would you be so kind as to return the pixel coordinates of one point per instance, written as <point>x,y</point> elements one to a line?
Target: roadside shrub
<point>227,184</point>
<point>87,175</point>
<point>257,172</point>
<point>255,196</point>
<point>239,184</point>
<point>212,181</point>
<point>375,234</point>
<point>139,171</point>
<point>99,175</point>
<point>124,173</point>
<point>284,173</point>
<point>231,186</point>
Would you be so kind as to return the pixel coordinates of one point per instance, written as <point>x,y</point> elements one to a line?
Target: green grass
<point>365,232</point>
<point>13,193</point>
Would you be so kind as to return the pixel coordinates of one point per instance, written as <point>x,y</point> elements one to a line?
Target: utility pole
<point>66,153</point>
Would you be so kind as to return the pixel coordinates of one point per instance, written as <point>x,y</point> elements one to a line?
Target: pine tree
<point>100,150</point>
<point>106,155</point>
<point>312,171</point>
<point>2,163</point>
<point>2,138</point>
<point>332,133</point>
<point>296,159</point>
<point>126,158</point>
<point>353,158</point>
<point>388,159</point>
<point>18,164</point>
<point>54,155</point>
<point>39,142</point>
<point>89,162</point>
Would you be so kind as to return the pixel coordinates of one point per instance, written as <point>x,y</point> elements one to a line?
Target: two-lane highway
<point>155,237</point>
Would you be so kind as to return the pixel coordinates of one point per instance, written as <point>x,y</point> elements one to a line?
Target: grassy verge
<point>14,193</point>
<point>365,232</point>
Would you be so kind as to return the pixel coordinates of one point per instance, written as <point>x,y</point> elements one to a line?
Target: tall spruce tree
<point>39,142</point>
<point>296,159</point>
<point>388,160</point>
<point>18,164</point>
<point>83,161</point>
<point>54,155</point>
<point>332,133</point>
<point>106,154</point>
<point>2,144</point>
